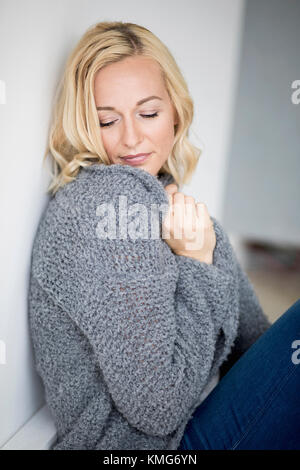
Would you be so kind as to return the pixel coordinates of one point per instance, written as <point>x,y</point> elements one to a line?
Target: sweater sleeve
<point>253,322</point>
<point>239,294</point>
<point>153,337</point>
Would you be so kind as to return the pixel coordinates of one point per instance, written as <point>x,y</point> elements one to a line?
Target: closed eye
<point>143,115</point>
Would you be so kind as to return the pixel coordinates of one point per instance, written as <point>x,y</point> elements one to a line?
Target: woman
<point>132,325</point>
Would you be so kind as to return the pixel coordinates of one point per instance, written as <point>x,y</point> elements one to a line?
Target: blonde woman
<point>136,328</point>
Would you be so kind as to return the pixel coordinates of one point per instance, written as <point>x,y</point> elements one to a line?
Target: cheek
<point>165,134</point>
<point>108,143</point>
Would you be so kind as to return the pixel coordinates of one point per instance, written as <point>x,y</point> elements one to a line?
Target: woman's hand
<point>187,227</point>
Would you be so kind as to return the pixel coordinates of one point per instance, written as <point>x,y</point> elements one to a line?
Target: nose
<point>131,135</point>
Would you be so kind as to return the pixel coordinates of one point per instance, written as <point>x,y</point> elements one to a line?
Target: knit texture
<point>128,337</point>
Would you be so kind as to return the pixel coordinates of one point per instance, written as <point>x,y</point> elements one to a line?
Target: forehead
<point>137,75</point>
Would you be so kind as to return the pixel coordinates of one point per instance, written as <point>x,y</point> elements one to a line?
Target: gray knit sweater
<point>128,337</point>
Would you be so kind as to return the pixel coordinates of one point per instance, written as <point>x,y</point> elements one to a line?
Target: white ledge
<point>39,433</point>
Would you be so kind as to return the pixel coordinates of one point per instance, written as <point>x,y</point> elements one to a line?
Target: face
<point>130,127</point>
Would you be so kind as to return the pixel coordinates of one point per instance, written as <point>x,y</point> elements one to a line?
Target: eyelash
<point>147,116</point>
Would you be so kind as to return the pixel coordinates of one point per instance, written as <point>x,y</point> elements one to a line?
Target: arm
<point>152,335</point>
<point>252,322</point>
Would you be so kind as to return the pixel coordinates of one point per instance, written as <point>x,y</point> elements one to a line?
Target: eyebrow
<point>109,108</point>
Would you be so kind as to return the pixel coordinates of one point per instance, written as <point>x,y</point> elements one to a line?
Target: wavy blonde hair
<point>74,138</point>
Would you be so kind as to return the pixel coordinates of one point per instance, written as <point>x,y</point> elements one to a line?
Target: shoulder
<point>102,221</point>
<point>104,191</point>
<point>99,182</point>
<point>111,191</point>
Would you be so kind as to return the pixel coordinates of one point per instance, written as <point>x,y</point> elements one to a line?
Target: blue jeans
<point>256,404</point>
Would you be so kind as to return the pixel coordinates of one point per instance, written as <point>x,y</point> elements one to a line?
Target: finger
<point>200,210</point>
<point>190,212</point>
<point>190,217</point>
<point>203,212</point>
<point>167,226</point>
<point>178,214</point>
<point>171,188</point>
<point>170,206</point>
<point>189,200</point>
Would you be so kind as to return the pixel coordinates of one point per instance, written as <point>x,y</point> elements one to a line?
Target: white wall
<point>262,195</point>
<point>35,40</point>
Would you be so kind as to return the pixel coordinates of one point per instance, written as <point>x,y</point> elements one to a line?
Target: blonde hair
<point>74,139</point>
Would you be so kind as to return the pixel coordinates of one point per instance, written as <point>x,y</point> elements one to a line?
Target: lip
<point>137,159</point>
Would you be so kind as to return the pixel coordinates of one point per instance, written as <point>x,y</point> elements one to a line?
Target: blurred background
<point>260,208</point>
<point>241,61</point>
